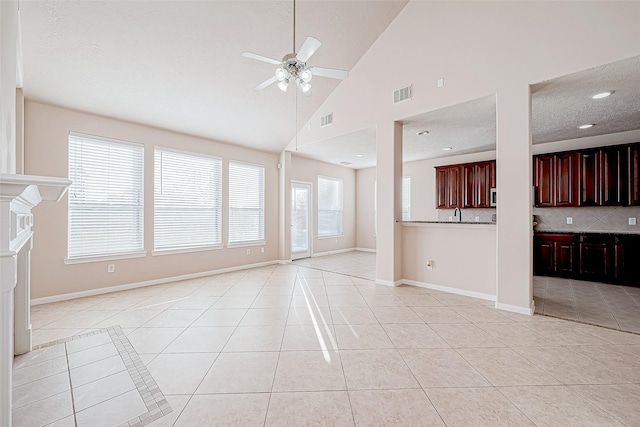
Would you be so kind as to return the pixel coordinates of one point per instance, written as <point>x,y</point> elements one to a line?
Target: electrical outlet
<point>336,241</point>
<point>632,221</point>
<point>450,218</point>
<point>440,82</point>
<point>111,268</point>
<point>248,251</point>
<point>569,220</point>
<point>429,264</point>
<point>262,250</point>
<point>477,219</point>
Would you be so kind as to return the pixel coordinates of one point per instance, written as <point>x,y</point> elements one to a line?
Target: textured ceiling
<point>177,64</point>
<point>560,105</point>
<point>468,127</point>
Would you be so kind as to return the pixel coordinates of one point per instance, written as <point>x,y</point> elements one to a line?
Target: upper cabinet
<point>633,173</point>
<point>593,177</point>
<point>448,187</point>
<point>465,186</point>
<point>555,180</point>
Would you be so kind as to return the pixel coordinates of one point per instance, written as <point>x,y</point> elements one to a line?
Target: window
<point>187,200</point>
<point>406,198</point>
<point>106,197</point>
<point>246,203</point>
<point>330,203</point>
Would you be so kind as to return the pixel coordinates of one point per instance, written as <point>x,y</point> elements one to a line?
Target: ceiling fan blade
<point>329,72</point>
<point>255,56</point>
<point>266,83</point>
<point>309,47</point>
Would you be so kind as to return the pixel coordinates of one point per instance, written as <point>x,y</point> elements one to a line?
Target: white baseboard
<point>283,261</point>
<point>450,290</point>
<point>338,251</point>
<point>365,250</point>
<point>517,309</point>
<point>389,282</point>
<point>125,287</point>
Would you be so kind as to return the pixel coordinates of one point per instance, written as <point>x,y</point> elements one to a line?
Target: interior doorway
<point>301,219</point>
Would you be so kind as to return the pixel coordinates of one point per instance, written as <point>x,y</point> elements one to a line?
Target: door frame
<point>309,217</point>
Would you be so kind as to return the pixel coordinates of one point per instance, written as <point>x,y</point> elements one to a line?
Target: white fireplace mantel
<point>19,194</point>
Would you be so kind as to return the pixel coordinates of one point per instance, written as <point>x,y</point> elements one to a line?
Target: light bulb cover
<point>306,75</point>
<point>281,74</point>
<point>283,85</point>
<point>586,126</point>
<point>305,87</point>
<point>602,94</point>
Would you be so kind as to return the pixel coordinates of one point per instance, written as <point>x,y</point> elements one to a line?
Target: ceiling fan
<point>294,65</point>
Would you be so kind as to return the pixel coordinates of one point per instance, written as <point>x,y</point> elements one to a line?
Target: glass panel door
<point>300,220</point>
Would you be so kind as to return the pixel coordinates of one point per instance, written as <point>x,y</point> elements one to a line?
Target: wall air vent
<point>402,94</point>
<point>326,120</point>
<point>346,163</point>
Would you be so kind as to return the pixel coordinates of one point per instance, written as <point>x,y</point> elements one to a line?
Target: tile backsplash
<point>606,219</point>
<point>468,215</point>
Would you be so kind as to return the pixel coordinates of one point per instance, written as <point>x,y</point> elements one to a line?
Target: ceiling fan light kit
<point>294,65</point>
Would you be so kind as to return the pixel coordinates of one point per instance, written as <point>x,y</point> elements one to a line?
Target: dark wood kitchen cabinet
<point>465,186</point>
<point>613,176</point>
<point>607,258</point>
<point>554,254</point>
<point>555,180</point>
<point>633,175</point>
<point>589,179</point>
<point>448,187</point>
<point>607,176</point>
<point>596,256</point>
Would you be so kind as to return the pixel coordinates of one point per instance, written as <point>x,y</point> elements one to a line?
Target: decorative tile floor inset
<point>93,381</point>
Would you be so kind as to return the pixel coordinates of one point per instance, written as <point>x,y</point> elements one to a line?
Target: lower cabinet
<point>604,258</point>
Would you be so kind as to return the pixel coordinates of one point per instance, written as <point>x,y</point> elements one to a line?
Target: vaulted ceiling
<point>177,64</point>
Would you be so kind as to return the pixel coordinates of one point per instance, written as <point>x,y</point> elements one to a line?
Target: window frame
<point>341,210</point>
<point>194,247</point>
<point>138,252</point>
<point>262,230</point>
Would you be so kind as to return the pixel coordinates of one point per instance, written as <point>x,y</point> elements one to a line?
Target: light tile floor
<point>612,306</point>
<point>355,263</point>
<point>287,345</point>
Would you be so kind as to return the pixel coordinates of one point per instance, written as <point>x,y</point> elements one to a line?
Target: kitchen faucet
<point>457,212</point>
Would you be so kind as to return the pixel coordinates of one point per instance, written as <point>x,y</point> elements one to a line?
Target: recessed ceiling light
<point>422,132</point>
<point>359,155</point>
<point>447,148</point>
<point>586,126</point>
<point>602,95</point>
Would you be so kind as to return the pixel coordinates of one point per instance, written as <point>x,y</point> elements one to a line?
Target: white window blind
<point>106,197</point>
<point>187,200</point>
<point>406,198</point>
<point>246,203</point>
<point>330,205</point>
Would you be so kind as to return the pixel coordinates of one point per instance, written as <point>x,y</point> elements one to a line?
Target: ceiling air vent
<point>402,94</point>
<point>346,163</point>
<point>326,120</point>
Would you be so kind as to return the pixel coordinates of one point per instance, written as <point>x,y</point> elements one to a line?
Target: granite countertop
<point>448,222</point>
<point>599,233</point>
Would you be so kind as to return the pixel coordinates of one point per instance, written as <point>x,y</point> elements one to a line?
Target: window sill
<point>330,236</point>
<point>246,244</point>
<point>71,261</point>
<point>186,250</point>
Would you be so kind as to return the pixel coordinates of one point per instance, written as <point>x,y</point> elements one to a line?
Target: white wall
<point>464,257</point>
<point>8,64</point>
<point>46,153</point>
<point>307,170</point>
<point>365,225</point>
<point>481,48</point>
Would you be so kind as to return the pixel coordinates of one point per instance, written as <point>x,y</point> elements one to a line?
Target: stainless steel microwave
<point>494,198</point>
